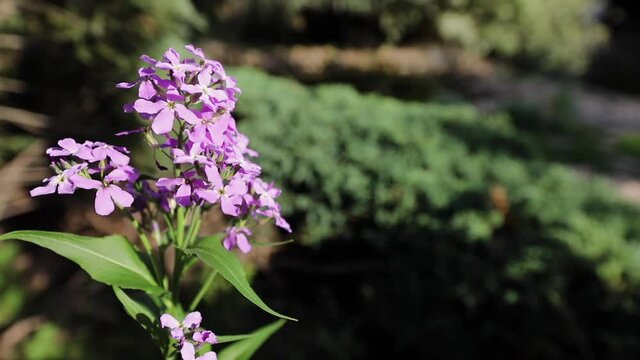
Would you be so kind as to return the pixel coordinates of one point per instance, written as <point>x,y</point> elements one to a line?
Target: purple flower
<point>196,154</point>
<point>213,98</point>
<point>147,81</point>
<point>190,323</point>
<point>230,195</point>
<point>237,237</point>
<point>61,182</point>
<point>188,352</point>
<point>205,337</point>
<point>183,186</point>
<point>235,157</point>
<point>107,195</point>
<point>165,112</point>
<point>68,147</point>
<point>178,69</point>
<point>102,151</point>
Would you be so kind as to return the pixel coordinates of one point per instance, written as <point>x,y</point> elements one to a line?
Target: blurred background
<point>462,176</point>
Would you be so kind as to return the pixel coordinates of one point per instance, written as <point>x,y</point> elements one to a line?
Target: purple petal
<point>117,157</point>
<point>66,187</point>
<point>211,196</point>
<point>188,352</point>
<point>236,187</point>
<point>104,205</point>
<point>117,175</point>
<point>148,59</point>
<point>147,90</point>
<point>282,223</point>
<point>172,55</point>
<point>192,320</point>
<point>149,107</point>
<point>213,176</point>
<point>169,321</point>
<point>186,114</point>
<point>177,333</point>
<point>204,78</point>
<point>126,85</point>
<point>228,206</point>
<point>163,123</point>
<point>69,145</point>
<point>210,355</point>
<point>168,183</point>
<point>243,243</point>
<point>50,188</point>
<point>84,183</point>
<point>119,196</point>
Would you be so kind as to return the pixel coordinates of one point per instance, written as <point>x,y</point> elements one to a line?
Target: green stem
<point>196,222</point>
<point>203,290</point>
<point>147,246</point>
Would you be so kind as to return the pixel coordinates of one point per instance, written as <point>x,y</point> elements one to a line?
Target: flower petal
<point>210,355</point>
<point>50,188</point>
<point>104,205</point>
<point>192,320</point>
<point>119,196</point>
<point>149,107</point>
<point>169,321</point>
<point>84,183</point>
<point>186,114</point>
<point>163,123</point>
<point>188,352</point>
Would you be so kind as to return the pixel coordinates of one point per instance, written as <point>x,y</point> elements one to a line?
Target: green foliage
<point>558,36</point>
<point>245,348</point>
<point>111,259</point>
<point>629,144</point>
<point>212,253</point>
<point>441,217</point>
<point>348,158</point>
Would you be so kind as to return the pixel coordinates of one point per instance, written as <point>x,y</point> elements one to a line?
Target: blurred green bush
<point>558,36</point>
<point>475,243</point>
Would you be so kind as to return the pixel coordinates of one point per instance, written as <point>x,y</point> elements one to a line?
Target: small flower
<point>237,237</point>
<point>190,322</point>
<point>165,112</point>
<point>188,352</point>
<point>61,182</point>
<point>178,69</point>
<point>205,337</point>
<point>107,196</point>
<point>230,195</point>
<point>68,147</point>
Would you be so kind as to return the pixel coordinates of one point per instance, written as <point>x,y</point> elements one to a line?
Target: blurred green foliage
<point>629,144</point>
<point>558,36</point>
<point>453,234</point>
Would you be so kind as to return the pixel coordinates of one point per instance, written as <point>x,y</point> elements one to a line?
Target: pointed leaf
<point>244,349</point>
<point>146,311</point>
<point>211,251</point>
<point>111,260</point>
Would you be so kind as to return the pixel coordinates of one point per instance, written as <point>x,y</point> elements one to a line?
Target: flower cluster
<point>189,336</point>
<point>187,105</point>
<point>77,165</point>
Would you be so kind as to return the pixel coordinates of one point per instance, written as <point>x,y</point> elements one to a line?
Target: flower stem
<point>203,290</point>
<point>147,246</point>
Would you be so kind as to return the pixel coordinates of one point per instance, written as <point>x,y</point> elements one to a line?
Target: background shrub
<point>436,230</point>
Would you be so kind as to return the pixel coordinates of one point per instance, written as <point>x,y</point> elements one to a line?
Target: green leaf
<point>146,311</point>
<point>244,349</point>
<point>111,260</point>
<point>211,251</point>
<point>231,338</point>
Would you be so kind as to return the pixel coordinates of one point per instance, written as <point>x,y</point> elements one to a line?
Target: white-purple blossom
<point>186,106</point>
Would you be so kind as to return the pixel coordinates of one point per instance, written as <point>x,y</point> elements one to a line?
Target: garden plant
<point>204,163</point>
